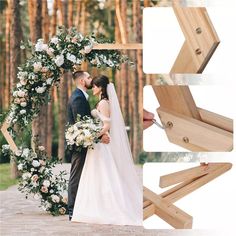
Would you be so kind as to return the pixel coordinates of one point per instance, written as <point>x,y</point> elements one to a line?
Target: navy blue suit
<point>77,105</point>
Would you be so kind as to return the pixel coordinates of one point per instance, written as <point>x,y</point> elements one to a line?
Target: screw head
<point>199,30</point>
<point>186,139</point>
<point>198,51</point>
<point>169,124</point>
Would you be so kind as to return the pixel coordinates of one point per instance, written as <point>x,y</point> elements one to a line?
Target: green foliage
<point>5,177</point>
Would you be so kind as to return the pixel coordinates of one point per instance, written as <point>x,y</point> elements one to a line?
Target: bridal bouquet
<point>83,134</point>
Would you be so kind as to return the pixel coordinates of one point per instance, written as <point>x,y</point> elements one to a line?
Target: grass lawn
<point>5,179</point>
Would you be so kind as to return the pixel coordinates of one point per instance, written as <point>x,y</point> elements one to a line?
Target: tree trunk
<point>15,38</point>
<point>135,94</point>
<point>8,65</point>
<point>63,94</point>
<point>39,129</point>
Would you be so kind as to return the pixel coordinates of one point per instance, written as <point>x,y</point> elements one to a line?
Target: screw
<point>169,124</point>
<point>199,30</point>
<point>198,51</point>
<point>185,139</point>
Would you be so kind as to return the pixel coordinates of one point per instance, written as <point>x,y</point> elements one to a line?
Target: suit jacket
<point>77,104</point>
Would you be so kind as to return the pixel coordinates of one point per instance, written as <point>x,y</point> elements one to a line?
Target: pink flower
<point>44,189</point>
<point>35,178</point>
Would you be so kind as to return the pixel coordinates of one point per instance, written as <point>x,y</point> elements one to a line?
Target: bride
<point>109,191</point>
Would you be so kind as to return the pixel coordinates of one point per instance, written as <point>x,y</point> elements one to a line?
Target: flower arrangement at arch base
<point>37,178</point>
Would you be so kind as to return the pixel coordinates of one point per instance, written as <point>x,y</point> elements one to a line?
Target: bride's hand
<point>105,139</point>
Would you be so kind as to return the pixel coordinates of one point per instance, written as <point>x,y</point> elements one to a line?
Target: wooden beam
<point>148,211</point>
<point>184,61</point>
<point>8,137</point>
<point>178,99</point>
<point>168,212</point>
<point>193,134</point>
<point>201,39</point>
<point>216,120</point>
<point>118,46</point>
<point>217,170</point>
<point>183,175</point>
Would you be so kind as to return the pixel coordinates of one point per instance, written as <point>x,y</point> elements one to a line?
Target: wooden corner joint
<point>6,134</point>
<point>201,39</point>
<point>212,133</point>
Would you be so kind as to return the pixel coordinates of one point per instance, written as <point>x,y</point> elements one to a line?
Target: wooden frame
<point>201,39</point>
<point>191,127</point>
<point>188,181</point>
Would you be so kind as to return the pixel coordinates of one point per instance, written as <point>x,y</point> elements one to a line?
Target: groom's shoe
<point>70,217</point>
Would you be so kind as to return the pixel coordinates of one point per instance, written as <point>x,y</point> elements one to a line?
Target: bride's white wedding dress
<point>109,191</point>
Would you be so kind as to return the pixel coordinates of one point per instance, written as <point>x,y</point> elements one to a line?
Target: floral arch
<point>65,51</point>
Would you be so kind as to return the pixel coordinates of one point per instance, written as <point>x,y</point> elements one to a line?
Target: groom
<point>78,104</point>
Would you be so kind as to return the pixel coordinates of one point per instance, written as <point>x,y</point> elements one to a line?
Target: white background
<point>212,206</point>
<point>163,38</point>
<point>214,98</point>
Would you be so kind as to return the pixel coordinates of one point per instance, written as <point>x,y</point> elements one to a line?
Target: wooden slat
<point>184,61</point>
<point>183,175</point>
<point>204,39</point>
<point>178,99</point>
<point>8,137</point>
<point>219,169</point>
<point>148,211</point>
<point>216,120</point>
<point>168,212</point>
<point>118,46</point>
<point>201,136</point>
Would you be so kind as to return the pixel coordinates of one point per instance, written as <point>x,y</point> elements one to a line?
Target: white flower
<point>71,57</point>
<point>26,176</point>
<point>20,166</point>
<point>35,163</point>
<point>22,75</point>
<point>40,89</point>
<point>59,60</point>
<point>54,40</point>
<point>37,66</point>
<point>49,81</point>
<point>26,152</point>
<point>88,48</point>
<point>48,205</point>
<point>46,183</point>
<point>21,93</point>
<point>6,147</point>
<point>15,94</point>
<point>23,104</point>
<point>78,61</point>
<point>22,112</point>
<point>22,47</point>
<point>40,46</point>
<point>32,169</point>
<point>18,153</point>
<point>18,85</point>
<point>37,196</point>
<point>41,148</point>
<point>55,198</point>
<point>50,52</point>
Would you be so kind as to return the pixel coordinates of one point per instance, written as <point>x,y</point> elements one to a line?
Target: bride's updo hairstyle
<point>101,81</point>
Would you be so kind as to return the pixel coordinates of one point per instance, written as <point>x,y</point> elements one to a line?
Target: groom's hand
<point>105,139</point>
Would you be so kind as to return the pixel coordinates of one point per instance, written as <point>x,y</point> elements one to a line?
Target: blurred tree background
<point>117,20</point>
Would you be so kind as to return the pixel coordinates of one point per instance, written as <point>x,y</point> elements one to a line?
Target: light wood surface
<point>201,39</point>
<point>201,136</point>
<point>168,212</point>
<point>217,170</point>
<point>178,99</point>
<point>8,137</point>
